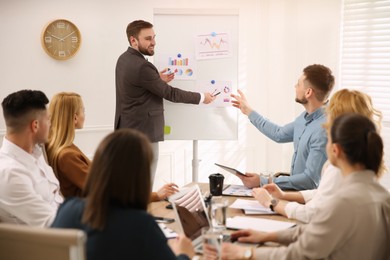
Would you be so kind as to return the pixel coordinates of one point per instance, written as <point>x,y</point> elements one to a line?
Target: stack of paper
<point>259,224</point>
<point>251,207</point>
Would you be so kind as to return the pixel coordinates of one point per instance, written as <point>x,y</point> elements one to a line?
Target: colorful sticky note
<point>167,130</point>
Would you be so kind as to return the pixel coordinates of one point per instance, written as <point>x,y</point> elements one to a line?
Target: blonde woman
<point>69,163</point>
<point>303,205</point>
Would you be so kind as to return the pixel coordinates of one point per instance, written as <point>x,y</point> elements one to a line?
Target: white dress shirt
<point>29,190</point>
<point>331,179</point>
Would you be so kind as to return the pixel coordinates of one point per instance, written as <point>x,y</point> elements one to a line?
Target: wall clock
<point>61,39</point>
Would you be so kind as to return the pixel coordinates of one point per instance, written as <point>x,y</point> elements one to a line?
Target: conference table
<point>159,209</point>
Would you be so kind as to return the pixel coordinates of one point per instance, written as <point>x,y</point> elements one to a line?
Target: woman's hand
<point>250,236</point>
<point>233,251</point>
<point>167,190</point>
<point>262,196</point>
<point>182,245</point>
<point>274,190</point>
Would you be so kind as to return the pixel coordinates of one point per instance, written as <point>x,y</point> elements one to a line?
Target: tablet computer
<point>230,169</point>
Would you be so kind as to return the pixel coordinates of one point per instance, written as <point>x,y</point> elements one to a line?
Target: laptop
<point>191,214</point>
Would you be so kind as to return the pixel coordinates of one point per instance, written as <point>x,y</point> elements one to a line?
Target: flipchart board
<point>201,48</point>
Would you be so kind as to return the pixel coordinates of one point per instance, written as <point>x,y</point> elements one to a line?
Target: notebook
<point>191,214</point>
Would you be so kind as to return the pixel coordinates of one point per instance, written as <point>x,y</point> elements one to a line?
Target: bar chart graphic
<point>182,64</point>
<point>177,62</point>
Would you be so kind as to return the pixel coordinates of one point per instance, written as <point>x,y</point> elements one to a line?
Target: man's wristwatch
<point>248,254</point>
<point>273,204</point>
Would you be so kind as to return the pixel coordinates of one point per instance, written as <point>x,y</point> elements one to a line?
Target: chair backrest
<point>25,242</point>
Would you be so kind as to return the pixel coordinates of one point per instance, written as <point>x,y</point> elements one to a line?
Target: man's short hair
<point>134,28</point>
<point>321,79</point>
<point>18,106</point>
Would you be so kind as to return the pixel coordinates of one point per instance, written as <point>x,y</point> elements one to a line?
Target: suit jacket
<point>139,95</point>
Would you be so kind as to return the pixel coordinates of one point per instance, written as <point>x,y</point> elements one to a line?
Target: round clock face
<point>61,39</point>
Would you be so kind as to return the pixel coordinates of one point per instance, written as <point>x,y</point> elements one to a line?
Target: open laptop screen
<point>190,211</point>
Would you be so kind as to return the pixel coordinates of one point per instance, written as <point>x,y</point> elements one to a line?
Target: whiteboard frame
<point>225,118</point>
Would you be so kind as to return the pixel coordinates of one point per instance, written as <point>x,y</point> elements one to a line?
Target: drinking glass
<point>212,243</point>
<point>218,213</point>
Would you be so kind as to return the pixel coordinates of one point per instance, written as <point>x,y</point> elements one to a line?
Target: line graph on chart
<point>212,45</point>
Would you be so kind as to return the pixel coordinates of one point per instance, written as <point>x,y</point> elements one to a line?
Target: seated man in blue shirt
<point>306,132</point>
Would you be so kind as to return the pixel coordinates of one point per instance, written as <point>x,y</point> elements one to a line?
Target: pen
<point>216,94</point>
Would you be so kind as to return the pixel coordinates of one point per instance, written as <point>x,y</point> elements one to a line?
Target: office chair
<point>33,243</point>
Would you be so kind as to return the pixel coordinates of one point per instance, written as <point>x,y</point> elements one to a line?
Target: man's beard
<point>302,101</point>
<point>145,51</point>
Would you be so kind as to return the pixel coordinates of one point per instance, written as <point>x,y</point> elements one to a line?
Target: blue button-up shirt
<point>309,138</point>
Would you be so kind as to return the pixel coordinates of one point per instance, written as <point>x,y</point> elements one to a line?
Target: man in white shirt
<point>29,190</point>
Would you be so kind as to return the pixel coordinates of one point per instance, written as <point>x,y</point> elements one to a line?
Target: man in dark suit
<point>140,88</point>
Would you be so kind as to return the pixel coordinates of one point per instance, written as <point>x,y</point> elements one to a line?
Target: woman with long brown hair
<point>113,213</point>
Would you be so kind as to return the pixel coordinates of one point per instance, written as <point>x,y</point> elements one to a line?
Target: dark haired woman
<point>113,213</point>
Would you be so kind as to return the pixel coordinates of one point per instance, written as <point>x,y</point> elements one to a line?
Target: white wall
<point>278,38</point>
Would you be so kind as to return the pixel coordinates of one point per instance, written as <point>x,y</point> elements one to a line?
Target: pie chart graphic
<point>179,72</point>
<point>188,72</point>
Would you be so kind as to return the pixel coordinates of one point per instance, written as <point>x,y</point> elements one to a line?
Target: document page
<point>259,224</point>
<point>251,207</point>
<point>237,190</point>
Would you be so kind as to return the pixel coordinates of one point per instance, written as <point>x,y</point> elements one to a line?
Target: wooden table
<point>158,209</point>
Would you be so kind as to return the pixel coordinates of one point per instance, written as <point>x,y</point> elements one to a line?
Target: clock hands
<point>59,38</point>
<point>68,35</point>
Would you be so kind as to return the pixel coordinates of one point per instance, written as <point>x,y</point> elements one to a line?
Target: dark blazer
<point>139,95</point>
<point>128,233</point>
